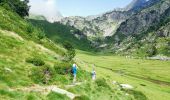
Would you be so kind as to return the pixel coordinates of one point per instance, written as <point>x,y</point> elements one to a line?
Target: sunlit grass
<point>125,70</point>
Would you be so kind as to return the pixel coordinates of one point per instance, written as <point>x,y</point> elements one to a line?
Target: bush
<point>83,75</point>
<point>32,96</point>
<point>60,79</point>
<point>30,29</point>
<point>42,74</point>
<point>138,95</point>
<point>70,51</point>
<point>151,51</point>
<point>56,96</point>
<point>7,93</point>
<point>35,61</point>
<point>41,36</point>
<point>18,6</point>
<point>102,83</point>
<point>11,94</point>
<point>83,97</point>
<point>62,68</point>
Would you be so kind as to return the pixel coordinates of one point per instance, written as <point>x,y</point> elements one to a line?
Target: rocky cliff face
<point>82,24</point>
<point>141,21</point>
<point>145,33</point>
<point>106,24</point>
<point>125,21</point>
<point>109,22</point>
<point>135,4</point>
<point>164,30</point>
<point>100,26</point>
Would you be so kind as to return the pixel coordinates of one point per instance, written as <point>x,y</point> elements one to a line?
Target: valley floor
<point>151,77</point>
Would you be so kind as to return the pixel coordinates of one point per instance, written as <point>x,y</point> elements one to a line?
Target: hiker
<point>93,74</point>
<point>74,72</point>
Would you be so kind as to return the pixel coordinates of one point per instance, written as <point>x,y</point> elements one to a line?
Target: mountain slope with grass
<point>36,17</point>
<point>30,63</point>
<point>27,57</point>
<point>25,53</point>
<point>60,34</point>
<point>35,64</point>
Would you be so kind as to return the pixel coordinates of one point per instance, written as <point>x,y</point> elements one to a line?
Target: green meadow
<point>151,77</point>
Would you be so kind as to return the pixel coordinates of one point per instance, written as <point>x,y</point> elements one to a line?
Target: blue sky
<point>75,7</point>
<point>88,7</point>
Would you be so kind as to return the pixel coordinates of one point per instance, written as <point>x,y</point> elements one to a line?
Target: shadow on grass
<point>138,95</point>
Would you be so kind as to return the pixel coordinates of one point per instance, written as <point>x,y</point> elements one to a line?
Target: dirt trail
<point>12,34</point>
<point>72,85</point>
<point>47,89</point>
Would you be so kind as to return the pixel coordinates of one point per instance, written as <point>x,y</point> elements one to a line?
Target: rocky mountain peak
<point>135,4</point>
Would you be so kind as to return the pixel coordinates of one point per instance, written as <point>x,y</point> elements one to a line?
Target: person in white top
<point>93,74</point>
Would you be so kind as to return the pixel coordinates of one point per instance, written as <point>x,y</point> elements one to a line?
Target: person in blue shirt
<point>74,71</point>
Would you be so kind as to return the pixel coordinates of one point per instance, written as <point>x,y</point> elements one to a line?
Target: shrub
<point>70,51</point>
<point>83,75</point>
<point>62,68</point>
<point>11,94</point>
<point>151,51</point>
<point>56,96</point>
<point>42,74</point>
<point>32,96</point>
<point>30,29</point>
<point>41,36</point>
<point>102,83</point>
<point>60,79</point>
<point>138,95</point>
<point>18,6</point>
<point>35,61</point>
<point>82,97</point>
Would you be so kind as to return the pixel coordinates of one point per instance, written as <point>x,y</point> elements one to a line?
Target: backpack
<point>71,70</point>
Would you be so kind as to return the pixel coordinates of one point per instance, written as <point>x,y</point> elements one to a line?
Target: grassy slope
<point>136,72</point>
<point>12,22</point>
<point>61,33</point>
<point>13,68</point>
<point>24,42</point>
<point>19,40</point>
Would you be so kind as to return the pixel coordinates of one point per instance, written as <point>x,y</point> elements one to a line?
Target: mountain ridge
<point>111,29</point>
<point>142,34</point>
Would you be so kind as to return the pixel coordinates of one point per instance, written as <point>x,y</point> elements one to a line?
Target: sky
<point>75,7</point>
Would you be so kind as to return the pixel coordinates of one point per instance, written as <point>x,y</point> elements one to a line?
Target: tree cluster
<point>21,7</point>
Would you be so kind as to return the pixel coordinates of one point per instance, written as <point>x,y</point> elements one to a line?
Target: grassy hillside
<point>60,33</point>
<point>30,64</point>
<point>27,57</point>
<point>13,22</point>
<point>36,17</point>
<point>21,43</point>
<point>23,63</point>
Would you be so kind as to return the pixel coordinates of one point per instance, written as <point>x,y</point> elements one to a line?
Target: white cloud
<point>47,8</point>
